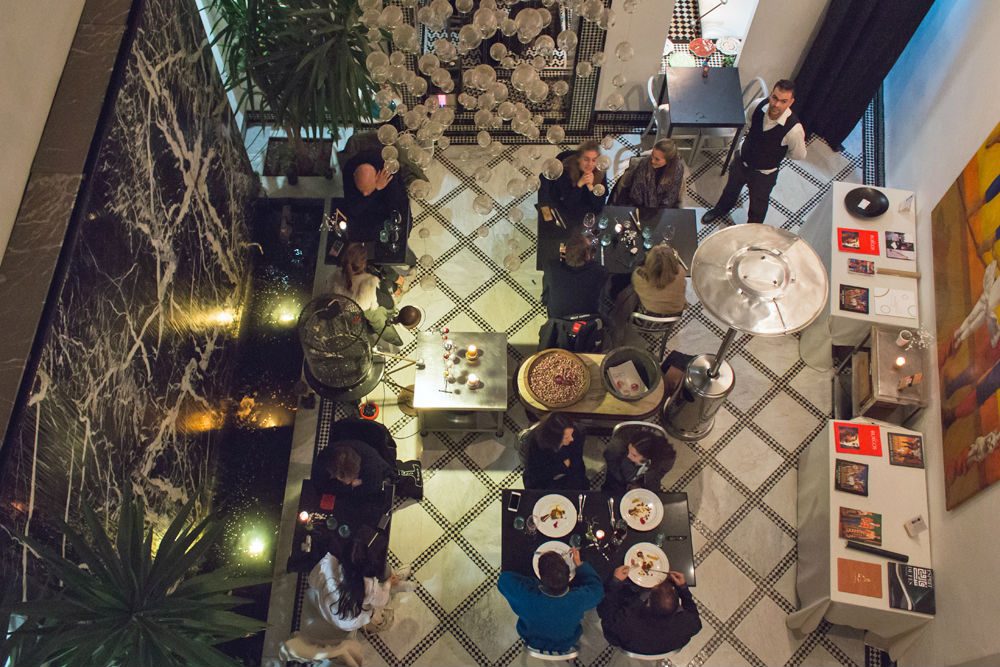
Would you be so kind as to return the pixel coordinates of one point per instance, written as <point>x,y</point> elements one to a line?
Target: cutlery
<point>579,513</point>
<point>611,510</point>
<point>675,538</point>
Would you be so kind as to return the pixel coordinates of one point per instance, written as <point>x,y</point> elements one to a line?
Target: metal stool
<point>655,324</point>
<point>551,656</point>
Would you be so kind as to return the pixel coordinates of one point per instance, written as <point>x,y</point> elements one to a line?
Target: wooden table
<point>597,404</point>
<point>517,547</point>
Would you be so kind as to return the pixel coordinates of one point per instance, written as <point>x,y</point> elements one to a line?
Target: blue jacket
<point>546,622</point>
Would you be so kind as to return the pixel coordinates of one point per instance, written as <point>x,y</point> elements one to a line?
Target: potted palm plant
<point>126,603</point>
<point>302,61</point>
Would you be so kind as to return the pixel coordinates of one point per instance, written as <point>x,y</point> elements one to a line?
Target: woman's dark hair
<point>553,572</point>
<point>549,433</point>
<point>578,250</point>
<point>352,583</point>
<point>648,446</point>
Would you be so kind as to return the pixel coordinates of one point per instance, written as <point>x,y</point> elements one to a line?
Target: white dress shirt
<point>795,138</point>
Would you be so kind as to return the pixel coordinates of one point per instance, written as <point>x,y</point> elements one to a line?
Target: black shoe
<point>711,215</point>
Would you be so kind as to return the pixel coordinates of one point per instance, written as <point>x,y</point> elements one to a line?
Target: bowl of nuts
<point>647,372</point>
<point>557,378</point>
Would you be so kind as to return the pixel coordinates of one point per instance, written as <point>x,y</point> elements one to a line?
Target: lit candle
<point>599,534</point>
<point>618,228</point>
<point>303,516</point>
<point>900,361</point>
<point>473,380</point>
<point>471,352</point>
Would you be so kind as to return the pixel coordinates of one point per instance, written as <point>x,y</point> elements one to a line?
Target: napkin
<point>626,380</point>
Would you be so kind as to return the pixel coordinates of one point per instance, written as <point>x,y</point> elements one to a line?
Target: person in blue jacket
<point>549,609</point>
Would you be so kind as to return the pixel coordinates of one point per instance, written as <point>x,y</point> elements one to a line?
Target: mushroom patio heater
<point>339,363</point>
<point>755,279</point>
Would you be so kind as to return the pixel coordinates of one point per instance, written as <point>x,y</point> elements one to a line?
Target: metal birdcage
<point>338,354</point>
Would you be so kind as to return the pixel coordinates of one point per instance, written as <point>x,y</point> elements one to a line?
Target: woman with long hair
<point>653,181</point>
<point>660,282</point>
<point>553,454</point>
<point>575,189</point>
<point>637,458</point>
<point>352,279</point>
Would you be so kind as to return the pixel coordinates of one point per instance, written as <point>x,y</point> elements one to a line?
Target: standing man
<point>549,610</point>
<point>775,131</point>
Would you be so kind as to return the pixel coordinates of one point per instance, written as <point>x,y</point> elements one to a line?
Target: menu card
<point>859,577</point>
<point>911,588</point>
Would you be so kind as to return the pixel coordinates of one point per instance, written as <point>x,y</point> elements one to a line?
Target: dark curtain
<point>856,47</point>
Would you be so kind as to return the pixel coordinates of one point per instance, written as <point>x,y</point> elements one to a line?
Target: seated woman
<point>637,457</point>
<point>355,279</point>
<point>572,286</point>
<point>574,190</point>
<point>653,181</point>
<point>660,282</point>
<point>346,597</point>
<point>553,454</point>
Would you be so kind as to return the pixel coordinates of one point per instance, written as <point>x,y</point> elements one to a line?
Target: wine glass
<point>602,224</point>
<point>383,236</point>
<point>668,233</point>
<point>589,220</point>
<point>605,239</point>
<point>530,527</point>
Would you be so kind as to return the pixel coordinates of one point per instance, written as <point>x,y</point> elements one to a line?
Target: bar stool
<point>655,324</point>
<point>552,656</point>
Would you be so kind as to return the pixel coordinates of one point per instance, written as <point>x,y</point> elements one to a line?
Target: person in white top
<point>774,133</point>
<point>352,279</point>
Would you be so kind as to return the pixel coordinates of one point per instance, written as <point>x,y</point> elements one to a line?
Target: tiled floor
<point>740,480</point>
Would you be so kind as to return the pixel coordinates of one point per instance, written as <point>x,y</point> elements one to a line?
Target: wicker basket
<point>584,373</point>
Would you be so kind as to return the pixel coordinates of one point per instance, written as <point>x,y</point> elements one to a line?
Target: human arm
<point>587,586</point>
<point>612,607</point>
<point>377,593</point>
<point>516,589</point>
<point>795,140</point>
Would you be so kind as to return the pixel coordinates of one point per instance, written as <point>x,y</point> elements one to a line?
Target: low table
<point>518,547</point>
<point>453,406</point>
<point>362,515</point>
<point>597,404</point>
<point>616,258</point>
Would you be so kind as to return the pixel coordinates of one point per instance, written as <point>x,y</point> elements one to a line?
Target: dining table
<point>676,226</point>
<point>367,518</point>
<point>672,534</point>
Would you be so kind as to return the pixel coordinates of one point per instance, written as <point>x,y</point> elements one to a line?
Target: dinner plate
<point>654,557</point>
<point>866,202</point>
<point>668,47</point>
<point>728,46</point>
<point>702,47</point>
<point>681,59</point>
<point>554,527</point>
<point>560,547</point>
<point>641,509</point>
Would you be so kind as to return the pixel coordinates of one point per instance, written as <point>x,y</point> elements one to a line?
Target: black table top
<point>518,548</point>
<point>701,102</point>
<point>360,514</point>
<point>367,233</point>
<point>616,258</point>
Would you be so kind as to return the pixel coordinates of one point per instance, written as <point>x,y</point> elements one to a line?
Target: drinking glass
<point>589,220</point>
<point>530,526</point>
<point>659,539</point>
<point>383,236</point>
<point>605,239</point>
<point>602,224</point>
<point>344,531</point>
<point>668,233</point>
<point>519,523</point>
<point>575,540</point>
<point>331,523</point>
<point>647,244</point>
<point>647,232</point>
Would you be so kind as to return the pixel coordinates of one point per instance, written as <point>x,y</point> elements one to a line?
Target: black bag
<point>409,480</point>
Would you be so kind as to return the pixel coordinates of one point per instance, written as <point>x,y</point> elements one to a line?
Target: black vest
<point>763,150</point>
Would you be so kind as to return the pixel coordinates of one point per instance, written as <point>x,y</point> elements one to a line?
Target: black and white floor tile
<point>477,272</point>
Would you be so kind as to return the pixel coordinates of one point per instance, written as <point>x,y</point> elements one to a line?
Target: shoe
<point>711,215</point>
<point>384,622</point>
<point>403,572</point>
<point>405,587</point>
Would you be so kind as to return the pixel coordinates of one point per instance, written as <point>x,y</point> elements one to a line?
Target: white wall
<point>779,39</point>
<point>35,38</point>
<point>940,103</point>
<point>646,30</point>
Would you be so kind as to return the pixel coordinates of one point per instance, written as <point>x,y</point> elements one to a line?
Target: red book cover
<point>860,241</point>
<point>863,439</point>
<point>327,501</point>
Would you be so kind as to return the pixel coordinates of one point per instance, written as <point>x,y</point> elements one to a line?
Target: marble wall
<point>136,362</point>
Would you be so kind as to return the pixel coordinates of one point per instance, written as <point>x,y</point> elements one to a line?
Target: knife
<point>579,514</point>
<point>611,510</point>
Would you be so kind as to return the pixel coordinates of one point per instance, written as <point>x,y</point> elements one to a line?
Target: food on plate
<point>644,561</point>
<point>557,378</point>
<point>555,514</point>
<point>640,510</point>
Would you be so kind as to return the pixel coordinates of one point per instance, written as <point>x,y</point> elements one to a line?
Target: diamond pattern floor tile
<point>749,458</point>
<point>759,542</point>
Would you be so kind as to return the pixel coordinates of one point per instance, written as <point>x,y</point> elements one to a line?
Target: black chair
<point>546,194</point>
<point>576,333</point>
<point>372,433</point>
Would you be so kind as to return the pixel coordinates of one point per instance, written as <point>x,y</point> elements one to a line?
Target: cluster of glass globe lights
<point>426,123</point>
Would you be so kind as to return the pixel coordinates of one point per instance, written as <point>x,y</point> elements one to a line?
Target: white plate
<point>681,59</point>
<point>560,547</point>
<point>548,526</point>
<point>668,48</point>
<point>636,498</point>
<point>652,553</point>
<point>728,46</point>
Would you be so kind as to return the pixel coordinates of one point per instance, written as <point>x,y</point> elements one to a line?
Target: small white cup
<point>904,338</point>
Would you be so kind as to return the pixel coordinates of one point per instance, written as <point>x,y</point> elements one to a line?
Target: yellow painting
<point>966,233</point>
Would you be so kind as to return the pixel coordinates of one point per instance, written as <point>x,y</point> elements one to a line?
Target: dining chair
<point>660,658</point>
<point>552,656</point>
<point>655,324</point>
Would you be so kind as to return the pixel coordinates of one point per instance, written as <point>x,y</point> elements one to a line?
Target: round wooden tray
<point>564,353</point>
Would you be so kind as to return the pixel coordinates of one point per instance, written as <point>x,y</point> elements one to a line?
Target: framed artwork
<point>906,450</point>
<point>966,244</point>
<point>851,477</point>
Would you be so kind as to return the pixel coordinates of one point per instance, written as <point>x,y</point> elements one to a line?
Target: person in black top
<point>637,457</point>
<point>573,286</point>
<point>553,455</point>
<point>576,191</point>
<point>774,132</point>
<point>350,467</point>
<point>371,195</point>
<point>652,622</point>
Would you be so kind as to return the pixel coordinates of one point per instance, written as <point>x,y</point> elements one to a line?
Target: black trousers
<point>759,185</point>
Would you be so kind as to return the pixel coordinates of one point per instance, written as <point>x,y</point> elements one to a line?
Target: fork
<point>579,515</point>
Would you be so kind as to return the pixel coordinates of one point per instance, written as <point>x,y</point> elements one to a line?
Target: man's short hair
<point>578,250</point>
<point>663,599</point>
<point>345,463</point>
<point>785,84</point>
<point>553,571</point>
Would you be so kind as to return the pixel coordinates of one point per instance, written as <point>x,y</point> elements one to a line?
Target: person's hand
<point>677,579</point>
<point>394,579</point>
<point>566,463</point>
<point>575,555</point>
<point>382,179</point>
<point>621,572</point>
<point>586,180</point>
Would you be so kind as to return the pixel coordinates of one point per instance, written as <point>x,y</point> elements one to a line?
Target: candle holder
<point>474,382</point>
<point>471,353</point>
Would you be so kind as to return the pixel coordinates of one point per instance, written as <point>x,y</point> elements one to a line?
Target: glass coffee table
<point>449,402</point>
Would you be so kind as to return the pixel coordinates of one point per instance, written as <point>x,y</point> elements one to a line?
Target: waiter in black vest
<point>775,131</point>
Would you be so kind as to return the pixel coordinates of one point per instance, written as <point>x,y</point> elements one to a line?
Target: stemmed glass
<point>668,234</point>
<point>589,220</point>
